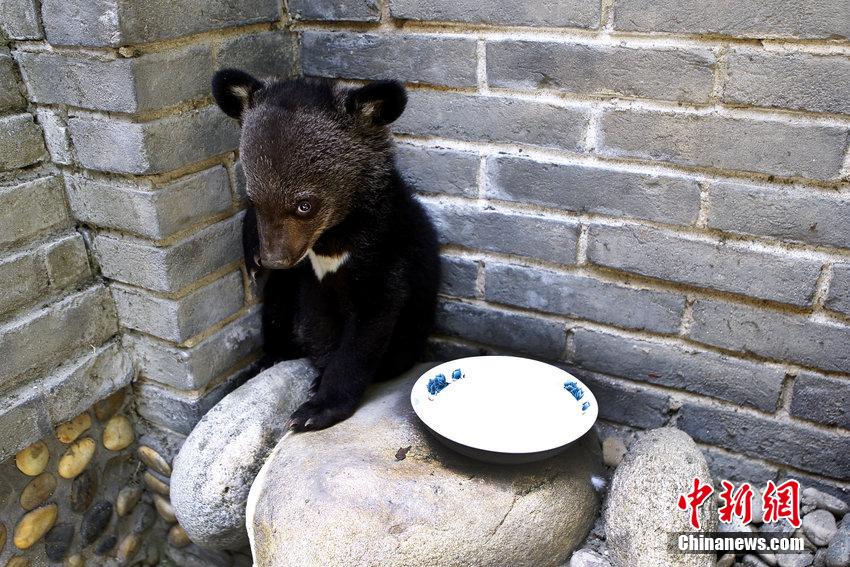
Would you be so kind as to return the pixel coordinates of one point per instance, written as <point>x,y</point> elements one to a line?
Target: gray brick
<point>707,140</point>
<point>583,297</point>
<point>152,213</point>
<point>793,214</point>
<point>666,74</point>
<point>838,297</point>
<point>172,267</point>
<point>433,170</point>
<point>822,399</point>
<point>622,402</point>
<point>458,116</point>
<point>450,61</point>
<point>440,349</point>
<point>21,279</point>
<point>334,10</point>
<point>67,261</point>
<point>798,445</point>
<point>723,266</point>
<point>32,208</point>
<point>749,18</point>
<point>20,19</point>
<point>458,276</point>
<point>699,371</point>
<point>586,189</point>
<point>193,368</point>
<point>788,80</point>
<point>180,411</point>
<point>510,332</point>
<point>10,87</point>
<point>240,190</point>
<point>545,13</point>
<point>178,320</point>
<point>118,85</point>
<point>31,343</point>
<point>273,53</point>
<point>21,143</point>
<point>775,335</point>
<point>735,468</point>
<point>125,22</point>
<point>56,135</point>
<point>510,233</point>
<point>164,144</point>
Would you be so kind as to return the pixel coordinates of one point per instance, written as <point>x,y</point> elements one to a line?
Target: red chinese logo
<point>736,503</point>
<point>779,502</point>
<point>694,499</point>
<point>782,501</point>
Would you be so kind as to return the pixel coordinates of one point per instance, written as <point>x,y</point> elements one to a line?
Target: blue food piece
<point>574,389</point>
<point>457,374</point>
<point>585,406</point>
<point>436,384</point>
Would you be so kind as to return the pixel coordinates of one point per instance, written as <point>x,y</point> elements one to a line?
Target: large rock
<point>219,460</point>
<point>641,512</point>
<point>377,489</point>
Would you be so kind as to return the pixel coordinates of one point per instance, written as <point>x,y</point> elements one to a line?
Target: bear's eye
<point>303,208</point>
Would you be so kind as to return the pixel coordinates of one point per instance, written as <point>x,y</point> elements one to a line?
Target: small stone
<point>768,558</point>
<point>18,561</point>
<point>726,560</point>
<point>75,561</point>
<point>34,525</point>
<point>95,521</point>
<point>127,499</point>
<point>105,545</point>
<point>838,552</point>
<point>37,491</point>
<point>128,547</point>
<point>588,558</point>
<point>154,484</point>
<point>33,459</point>
<point>118,433</point>
<point>757,506</point>
<point>824,501</point>
<point>163,506</point>
<point>144,518</point>
<point>753,561</point>
<point>177,536</point>
<point>807,543</point>
<point>613,451</point>
<point>819,527</point>
<point>57,541</point>
<point>69,431</point>
<point>77,457</point>
<point>2,536</point>
<point>820,558</point>
<point>795,559</point>
<point>154,460</point>
<point>107,407</point>
<point>83,490</point>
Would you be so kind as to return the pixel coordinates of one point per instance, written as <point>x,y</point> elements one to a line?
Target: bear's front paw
<point>319,414</point>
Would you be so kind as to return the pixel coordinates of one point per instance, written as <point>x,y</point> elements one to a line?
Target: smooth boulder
<point>218,461</point>
<point>640,510</point>
<point>378,489</point>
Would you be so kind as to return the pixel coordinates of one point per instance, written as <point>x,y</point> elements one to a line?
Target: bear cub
<point>351,256</point>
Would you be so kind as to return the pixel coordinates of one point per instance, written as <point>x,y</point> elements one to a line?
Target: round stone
<point>105,545</point>
<point>77,457</point>
<point>34,525</point>
<point>3,534</point>
<point>641,505</point>
<point>95,521</point>
<point>18,561</point>
<point>70,431</point>
<point>37,491</point>
<point>588,558</point>
<point>109,406</point>
<point>339,495</point>
<point>177,536</point>
<point>57,541</point>
<point>83,490</point>
<point>613,451</point>
<point>128,547</point>
<point>154,460</point>
<point>118,433</point>
<point>817,499</point>
<point>164,508</point>
<point>127,499</point>
<point>155,484</point>
<point>218,461</point>
<point>32,460</point>
<point>75,560</point>
<point>144,518</point>
<point>819,526</point>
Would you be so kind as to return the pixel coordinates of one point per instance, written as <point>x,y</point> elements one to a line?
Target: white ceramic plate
<point>504,408</point>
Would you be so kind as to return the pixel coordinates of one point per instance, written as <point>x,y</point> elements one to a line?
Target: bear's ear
<point>380,102</point>
<point>234,90</point>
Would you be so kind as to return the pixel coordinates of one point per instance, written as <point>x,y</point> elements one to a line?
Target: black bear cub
<point>352,257</point>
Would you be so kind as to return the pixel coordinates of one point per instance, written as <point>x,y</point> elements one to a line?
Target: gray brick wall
<point>654,195</point>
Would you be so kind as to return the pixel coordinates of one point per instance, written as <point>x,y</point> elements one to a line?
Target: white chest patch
<point>324,265</point>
